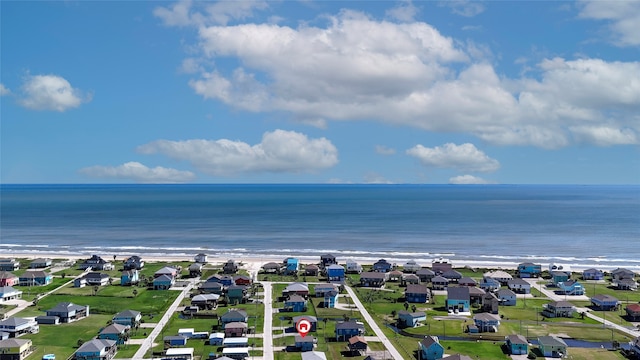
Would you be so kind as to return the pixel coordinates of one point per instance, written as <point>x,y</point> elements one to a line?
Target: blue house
<point>134,262</point>
<point>529,270</point>
<point>416,293</point>
<point>605,302</point>
<point>347,329</point>
<point>293,265</point>
<point>311,319</point>
<point>116,332</point>
<point>411,319</point>
<point>506,297</point>
<point>330,299</point>
<point>458,299</point>
<point>129,277</point>
<point>517,344</point>
<point>35,278</point>
<point>489,284</point>
<point>593,274</point>
<point>304,343</point>
<point>163,282</point>
<point>127,317</point>
<point>335,273</point>
<point>430,348</point>
<point>571,287</point>
<point>295,303</point>
<point>382,265</point>
<point>216,338</point>
<point>559,276</point>
<point>234,315</point>
<point>96,349</point>
<point>175,340</point>
<point>486,322</point>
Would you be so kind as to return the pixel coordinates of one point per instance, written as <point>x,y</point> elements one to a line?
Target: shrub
<point>532,355</point>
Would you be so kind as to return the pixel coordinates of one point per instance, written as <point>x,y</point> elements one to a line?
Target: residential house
<point>234,315</point>
<point>517,344</point>
<point>634,347</point>
<point>205,301</point>
<point>439,266</point>
<point>501,276</point>
<point>558,309</point>
<point>373,279</point>
<point>313,355</point>
<point>439,283</point>
<point>593,274</point>
<point>97,279</point>
<point>327,259</point>
<point>117,332</point>
<point>625,284</point>
<point>633,312</point>
<point>134,262</point>
<point>410,319</point>
<point>559,276</point>
<point>321,289</point>
<point>621,274</point>
<point>335,273</point>
<point>210,287</point>
<point>243,280</point>
<point>236,342</point>
<point>552,346</point>
<point>68,312</point>
<point>175,340</point>
<point>216,338</point>
<point>304,343</point>
<point>475,295</point>
<point>519,286</point>
<point>295,303</point>
<point>225,280</point>
<point>458,300</point>
<point>201,258</point>
<point>292,265</point>
<point>467,281</point>
<point>15,349</point>
<point>410,279</point>
<point>604,302</point>
<point>297,288</point>
<point>457,357</point>
<point>312,270</point>
<point>394,275</point>
<point>506,297</point>
<point>16,327</point>
<point>195,269</point>
<point>529,270</point>
<point>489,284</point>
<point>35,278</point>
<point>8,293</point>
<point>235,329</point>
<point>8,279</point>
<point>311,319</point>
<point>347,329</point>
<point>96,263</point>
<point>166,271</point>
<point>416,293</point>
<point>40,263</point>
<point>9,265</point>
<point>96,349</point>
<point>129,277</point>
<point>490,303</point>
<point>452,275</point>
<point>271,268</point>
<point>330,299</point>
<point>486,322</point>
<point>425,275</point>
<point>356,344</point>
<point>230,267</point>
<point>430,348</point>
<point>163,282</point>
<point>80,282</point>
<point>382,265</point>
<point>571,287</point>
<point>411,266</point>
<point>353,267</point>
<point>127,317</point>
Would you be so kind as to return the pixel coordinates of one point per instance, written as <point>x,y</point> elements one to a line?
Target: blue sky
<point>320,92</point>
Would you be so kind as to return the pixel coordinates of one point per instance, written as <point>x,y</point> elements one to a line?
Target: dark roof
<point>67,307</point>
<point>96,275</point>
<point>425,271</point>
<point>412,314</point>
<point>439,279</point>
<point>603,297</point>
<point>506,292</point>
<point>416,289</point>
<point>351,324</point>
<point>114,329</point>
<point>517,281</point>
<point>304,339</point>
<point>296,298</point>
<point>127,314</point>
<point>373,275</point>
<point>517,339</point>
<point>311,319</point>
<point>7,275</point>
<point>430,340</point>
<point>95,345</point>
<point>551,341</point>
<point>235,312</point>
<point>452,274</point>
<point>458,293</point>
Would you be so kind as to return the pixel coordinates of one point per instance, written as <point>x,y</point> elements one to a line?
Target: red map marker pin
<point>303,326</point>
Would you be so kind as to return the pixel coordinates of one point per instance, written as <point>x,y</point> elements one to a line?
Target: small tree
<point>80,342</point>
<point>406,305</point>
<point>95,290</point>
<point>413,308</point>
<point>135,292</point>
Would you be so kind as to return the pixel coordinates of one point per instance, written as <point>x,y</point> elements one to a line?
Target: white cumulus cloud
<point>139,173</point>
<point>622,19</point>
<point>385,150</point>
<point>605,136</point>
<point>279,151</point>
<point>404,11</point>
<point>464,157</point>
<point>4,90</point>
<point>468,180</point>
<point>51,92</point>
<point>190,13</point>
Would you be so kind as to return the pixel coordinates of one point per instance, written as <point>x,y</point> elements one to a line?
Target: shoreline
<point>253,260</point>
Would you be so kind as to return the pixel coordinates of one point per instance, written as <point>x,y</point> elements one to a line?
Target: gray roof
<point>373,275</point>
<point>305,339</point>
<point>457,357</point>
<point>485,317</point>
<point>458,293</point>
<point>416,289</point>
<point>430,340</point>
<point>311,319</point>
<point>96,345</point>
<point>67,307</point>
<point>517,339</point>
<point>561,304</point>
<point>127,314</point>
<point>551,341</point>
<point>351,324</point>
<point>425,271</point>
<point>313,355</point>
<point>9,290</point>
<point>412,314</point>
<point>506,292</point>
<point>235,312</point>
<point>440,279</point>
<point>14,321</point>
<point>11,343</point>
<point>296,298</point>
<point>7,275</point>
<point>603,297</point>
<point>296,287</point>
<point>517,281</point>
<point>114,329</point>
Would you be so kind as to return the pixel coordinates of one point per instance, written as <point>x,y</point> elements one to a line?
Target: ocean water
<point>567,224</point>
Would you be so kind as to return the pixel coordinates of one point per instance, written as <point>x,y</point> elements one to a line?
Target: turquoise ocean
<point>567,224</point>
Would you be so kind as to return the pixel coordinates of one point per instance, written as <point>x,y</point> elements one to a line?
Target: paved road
<point>374,326</point>
<point>148,342</point>
<point>267,345</point>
